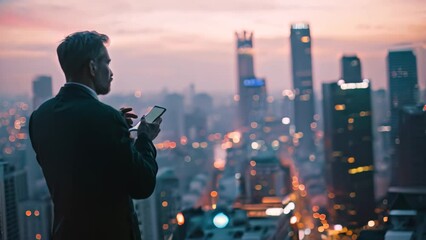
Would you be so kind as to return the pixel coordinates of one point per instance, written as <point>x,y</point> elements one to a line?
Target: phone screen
<point>155,113</point>
<point>150,117</point>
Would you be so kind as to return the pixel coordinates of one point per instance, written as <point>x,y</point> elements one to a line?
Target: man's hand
<point>151,130</point>
<point>128,115</point>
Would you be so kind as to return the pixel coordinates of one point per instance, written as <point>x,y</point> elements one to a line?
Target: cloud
<point>138,31</point>
<point>209,6</point>
<point>21,19</point>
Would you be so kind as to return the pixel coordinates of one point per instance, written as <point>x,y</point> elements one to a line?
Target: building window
<point>340,107</point>
<point>351,159</point>
<point>305,39</point>
<point>305,97</point>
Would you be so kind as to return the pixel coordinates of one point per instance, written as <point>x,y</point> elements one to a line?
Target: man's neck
<point>82,80</point>
<point>89,90</point>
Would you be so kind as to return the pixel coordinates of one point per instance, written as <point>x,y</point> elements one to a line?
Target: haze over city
<point>170,44</point>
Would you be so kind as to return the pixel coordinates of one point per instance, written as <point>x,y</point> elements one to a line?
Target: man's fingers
<point>158,120</point>
<point>131,115</point>
<point>126,109</point>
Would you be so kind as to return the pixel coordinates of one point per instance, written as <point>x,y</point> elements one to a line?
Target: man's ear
<point>92,68</point>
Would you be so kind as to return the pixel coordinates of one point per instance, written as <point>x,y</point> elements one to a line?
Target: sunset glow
<point>158,44</point>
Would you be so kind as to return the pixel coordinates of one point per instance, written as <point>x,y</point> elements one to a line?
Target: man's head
<point>84,59</point>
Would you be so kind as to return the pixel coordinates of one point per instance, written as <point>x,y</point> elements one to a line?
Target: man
<point>92,167</point>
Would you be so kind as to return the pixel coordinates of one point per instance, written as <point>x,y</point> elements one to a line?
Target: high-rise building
<point>349,158</point>
<point>146,211</point>
<point>351,69</point>
<point>196,125</point>
<point>411,152</point>
<point>380,107</point>
<point>287,106</point>
<point>304,109</point>
<point>403,84</point>
<point>3,219</point>
<point>11,192</point>
<point>35,217</point>
<point>251,90</point>
<point>382,145</point>
<point>42,90</point>
<point>197,120</point>
<point>204,102</point>
<point>264,178</point>
<point>403,90</point>
<point>173,127</point>
<point>157,213</point>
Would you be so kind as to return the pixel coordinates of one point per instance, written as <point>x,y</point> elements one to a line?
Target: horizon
<point>171,45</point>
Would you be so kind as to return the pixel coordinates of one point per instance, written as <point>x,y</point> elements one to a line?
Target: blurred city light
<point>220,220</point>
<point>274,211</point>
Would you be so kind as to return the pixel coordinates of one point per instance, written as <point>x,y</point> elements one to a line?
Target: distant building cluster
<point>26,209</point>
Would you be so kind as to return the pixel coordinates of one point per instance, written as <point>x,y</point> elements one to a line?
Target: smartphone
<point>150,117</point>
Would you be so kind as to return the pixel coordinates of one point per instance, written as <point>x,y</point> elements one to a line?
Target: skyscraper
<point>158,212</point>
<point>403,84</point>
<point>351,69</point>
<point>349,158</point>
<point>173,126</point>
<point>304,111</point>
<point>403,90</point>
<point>411,152</point>
<point>35,217</point>
<point>382,144</point>
<point>198,121</point>
<point>10,193</point>
<point>3,219</point>
<point>204,102</point>
<point>349,161</point>
<point>287,105</point>
<point>251,90</point>
<point>42,90</point>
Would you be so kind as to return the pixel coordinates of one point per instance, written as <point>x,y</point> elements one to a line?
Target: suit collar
<point>81,87</point>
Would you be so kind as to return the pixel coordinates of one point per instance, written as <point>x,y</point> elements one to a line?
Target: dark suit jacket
<point>92,167</point>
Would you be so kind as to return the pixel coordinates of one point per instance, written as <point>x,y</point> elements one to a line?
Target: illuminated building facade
<point>10,194</point>
<point>42,90</point>
<point>264,178</point>
<point>411,152</point>
<point>251,90</point>
<point>158,212</point>
<point>403,90</point>
<point>349,163</point>
<point>35,217</point>
<point>287,106</point>
<point>304,109</point>
<point>382,144</point>
<point>146,211</point>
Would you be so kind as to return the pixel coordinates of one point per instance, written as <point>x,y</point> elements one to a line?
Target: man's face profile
<point>102,73</point>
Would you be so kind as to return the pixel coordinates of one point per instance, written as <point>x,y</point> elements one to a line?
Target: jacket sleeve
<point>137,162</point>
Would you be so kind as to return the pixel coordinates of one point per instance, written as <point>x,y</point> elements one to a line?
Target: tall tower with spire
<point>251,90</point>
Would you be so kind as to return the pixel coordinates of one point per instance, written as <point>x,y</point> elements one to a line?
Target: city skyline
<point>254,170</point>
<point>171,45</point>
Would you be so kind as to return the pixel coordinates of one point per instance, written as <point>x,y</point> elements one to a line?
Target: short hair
<point>78,48</point>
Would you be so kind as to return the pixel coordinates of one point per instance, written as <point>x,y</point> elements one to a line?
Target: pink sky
<point>172,43</point>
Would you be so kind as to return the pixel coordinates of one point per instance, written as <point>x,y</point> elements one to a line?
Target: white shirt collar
<point>90,91</point>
